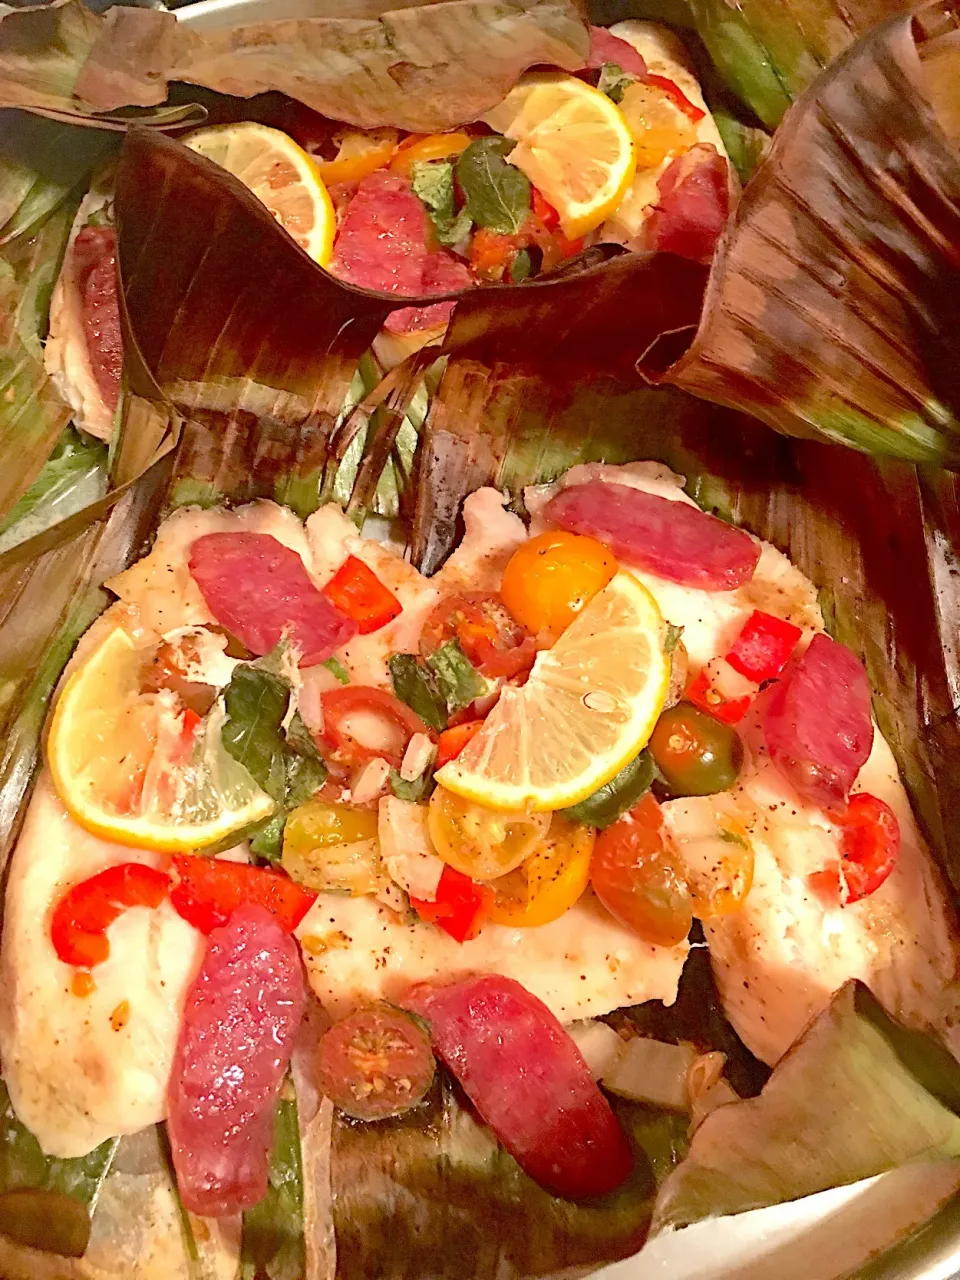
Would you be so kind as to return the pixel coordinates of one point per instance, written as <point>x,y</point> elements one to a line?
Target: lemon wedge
<point>573,143</point>
<point>128,767</point>
<point>588,708</point>
<point>280,174</point>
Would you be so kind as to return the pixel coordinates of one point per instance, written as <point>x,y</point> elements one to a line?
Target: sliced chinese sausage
<point>95,256</point>
<point>259,590</point>
<point>376,1063</point>
<point>670,539</point>
<point>527,1080</point>
<point>817,721</point>
<point>239,1022</point>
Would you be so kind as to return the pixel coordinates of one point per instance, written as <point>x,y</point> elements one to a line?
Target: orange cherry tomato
<point>637,878</point>
<point>360,154</point>
<point>549,882</point>
<point>550,578</point>
<point>433,146</point>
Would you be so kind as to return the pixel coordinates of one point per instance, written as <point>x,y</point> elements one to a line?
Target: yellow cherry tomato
<point>316,825</point>
<point>434,146</point>
<point>482,843</point>
<point>333,848</point>
<point>550,578</point>
<point>359,155</point>
<point>550,881</point>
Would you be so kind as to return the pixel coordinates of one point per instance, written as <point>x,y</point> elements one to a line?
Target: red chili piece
<point>208,892</point>
<point>338,705</point>
<point>763,647</point>
<point>526,1078</point>
<point>869,846</point>
<point>461,907</point>
<point>359,594</point>
<point>81,918</point>
<point>677,97</point>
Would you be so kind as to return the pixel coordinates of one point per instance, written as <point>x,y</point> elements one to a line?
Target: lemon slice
<point>127,767</point>
<point>573,143</point>
<point>588,708</point>
<point>280,174</point>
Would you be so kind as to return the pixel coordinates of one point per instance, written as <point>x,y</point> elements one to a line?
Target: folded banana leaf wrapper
<point>240,355</point>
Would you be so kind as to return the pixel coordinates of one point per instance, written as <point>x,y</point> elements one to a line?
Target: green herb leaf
<point>414,791</point>
<point>45,1202</point>
<point>415,684</point>
<point>614,81</point>
<point>273,1244</point>
<point>497,194</point>
<point>521,266</point>
<point>618,796</point>
<point>458,680</point>
<point>672,638</point>
<point>338,669</point>
<point>267,840</point>
<point>433,183</point>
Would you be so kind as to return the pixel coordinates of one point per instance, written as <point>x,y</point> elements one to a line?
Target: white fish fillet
<point>778,960</point>
<point>73,1078</point>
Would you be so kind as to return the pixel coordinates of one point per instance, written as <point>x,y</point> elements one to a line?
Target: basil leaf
<point>338,669</point>
<point>614,81</point>
<point>521,266</point>
<point>433,183</point>
<point>267,839</point>
<point>497,194</point>
<point>416,790</point>
<point>616,797</point>
<point>272,1242</point>
<point>415,684</point>
<point>459,681</point>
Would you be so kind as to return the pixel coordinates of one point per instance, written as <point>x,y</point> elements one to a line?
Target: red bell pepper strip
<point>544,210</point>
<point>763,646</point>
<point>359,594</point>
<point>677,97</point>
<point>452,741</point>
<point>869,845</point>
<point>461,907</point>
<point>208,891</point>
<point>338,705</point>
<point>81,918</point>
<point>703,693</point>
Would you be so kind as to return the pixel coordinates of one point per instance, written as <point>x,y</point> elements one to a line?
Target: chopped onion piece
<point>370,781</point>
<point>392,896</point>
<point>405,847</point>
<point>417,757</point>
<point>704,1073</point>
<point>718,1095</point>
<point>654,1072</point>
<point>599,1045</point>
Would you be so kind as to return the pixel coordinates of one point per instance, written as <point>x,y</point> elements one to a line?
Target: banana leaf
<point>425,68</point>
<point>43,49</point>
<point>857,1095</point>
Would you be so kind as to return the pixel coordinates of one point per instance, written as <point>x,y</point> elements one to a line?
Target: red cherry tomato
<point>376,1063</point>
<point>638,880</point>
<point>869,845</point>
<point>338,705</point>
<point>488,633</point>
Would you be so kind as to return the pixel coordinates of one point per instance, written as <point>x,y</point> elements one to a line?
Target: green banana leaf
<point>273,1245</point>
<point>44,1202</point>
<point>857,1095</point>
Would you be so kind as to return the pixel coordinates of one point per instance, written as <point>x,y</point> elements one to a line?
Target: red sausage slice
<point>693,205</point>
<point>95,255</point>
<point>529,1083</point>
<point>817,721</point>
<point>606,47</point>
<point>258,589</point>
<point>671,539</point>
<point>239,1022</point>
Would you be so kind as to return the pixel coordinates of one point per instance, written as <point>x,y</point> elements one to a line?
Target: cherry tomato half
<point>376,1063</point>
<point>398,722</point>
<point>550,578</point>
<point>869,846</point>
<point>550,881</point>
<point>636,877</point>
<point>696,754</point>
<point>488,633</point>
<point>482,843</point>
